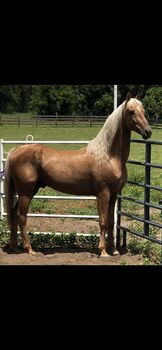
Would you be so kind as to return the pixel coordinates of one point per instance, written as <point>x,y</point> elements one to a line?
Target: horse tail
<point>9,189</point>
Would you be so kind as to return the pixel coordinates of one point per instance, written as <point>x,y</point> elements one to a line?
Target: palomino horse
<point>98,169</point>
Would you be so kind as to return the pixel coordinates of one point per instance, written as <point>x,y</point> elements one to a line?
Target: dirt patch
<point>66,256</point>
<point>61,256</point>
<point>62,225</point>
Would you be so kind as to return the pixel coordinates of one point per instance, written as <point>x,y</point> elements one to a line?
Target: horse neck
<point>113,139</point>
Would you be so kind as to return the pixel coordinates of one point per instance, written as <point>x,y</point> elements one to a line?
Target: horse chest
<point>113,174</point>
<point>116,179</point>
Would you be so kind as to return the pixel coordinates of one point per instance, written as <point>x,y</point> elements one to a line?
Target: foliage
<point>153,102</point>
<point>52,240</point>
<point>73,99</point>
<point>4,236</point>
<point>152,253</point>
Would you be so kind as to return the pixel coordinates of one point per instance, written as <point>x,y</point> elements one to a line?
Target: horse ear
<point>128,96</point>
<point>138,96</point>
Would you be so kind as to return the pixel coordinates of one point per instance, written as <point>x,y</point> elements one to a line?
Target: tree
<point>9,98</point>
<point>104,105</point>
<point>153,102</point>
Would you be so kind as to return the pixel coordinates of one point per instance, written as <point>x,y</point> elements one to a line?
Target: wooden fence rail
<point>58,120</point>
<point>52,120</point>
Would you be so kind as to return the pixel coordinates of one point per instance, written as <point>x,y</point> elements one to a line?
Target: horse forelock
<point>134,101</point>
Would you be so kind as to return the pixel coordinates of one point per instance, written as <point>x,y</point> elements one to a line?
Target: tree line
<point>75,99</point>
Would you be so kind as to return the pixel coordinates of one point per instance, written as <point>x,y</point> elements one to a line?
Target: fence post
<point>118,221</point>
<point>90,120</point>
<point>1,182</point>
<point>147,189</point>
<point>115,222</point>
<point>19,121</point>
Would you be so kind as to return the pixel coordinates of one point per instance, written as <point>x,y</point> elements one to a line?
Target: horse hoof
<point>116,253</point>
<point>12,248</point>
<point>105,255</point>
<point>32,252</point>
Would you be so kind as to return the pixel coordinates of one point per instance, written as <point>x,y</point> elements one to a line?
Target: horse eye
<point>131,112</point>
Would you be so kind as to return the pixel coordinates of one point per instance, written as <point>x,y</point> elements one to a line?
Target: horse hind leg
<point>23,205</point>
<point>14,226</point>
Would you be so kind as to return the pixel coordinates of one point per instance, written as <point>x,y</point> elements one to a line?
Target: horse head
<point>135,118</point>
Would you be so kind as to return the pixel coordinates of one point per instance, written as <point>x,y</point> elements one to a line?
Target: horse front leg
<point>103,199</point>
<point>110,240</point>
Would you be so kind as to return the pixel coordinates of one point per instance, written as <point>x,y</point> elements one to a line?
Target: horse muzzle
<point>147,133</point>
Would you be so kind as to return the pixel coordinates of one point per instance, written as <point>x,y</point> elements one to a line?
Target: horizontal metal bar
<point>130,199</point>
<point>44,142</point>
<point>143,185</point>
<point>61,216</point>
<point>131,216</point>
<point>152,165</point>
<point>136,162</point>
<point>60,197</point>
<point>136,183</point>
<point>147,141</point>
<point>67,234</point>
<point>138,141</point>
<point>153,223</point>
<point>155,206</point>
<point>71,142</point>
<point>64,234</point>
<point>66,197</point>
<point>135,217</point>
<point>140,234</point>
<point>154,187</point>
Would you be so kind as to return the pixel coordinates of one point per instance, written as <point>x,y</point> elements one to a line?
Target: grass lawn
<point>137,152</point>
<point>135,172</point>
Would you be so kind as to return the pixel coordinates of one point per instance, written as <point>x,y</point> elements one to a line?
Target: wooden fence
<point>52,120</point>
<point>60,120</point>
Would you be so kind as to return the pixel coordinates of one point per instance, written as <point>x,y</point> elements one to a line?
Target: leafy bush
<point>70,240</point>
<point>150,251</point>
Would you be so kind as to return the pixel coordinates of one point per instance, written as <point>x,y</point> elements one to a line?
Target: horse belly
<point>80,188</point>
<point>68,180</point>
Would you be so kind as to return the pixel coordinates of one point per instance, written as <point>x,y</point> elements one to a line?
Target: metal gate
<point>119,213</point>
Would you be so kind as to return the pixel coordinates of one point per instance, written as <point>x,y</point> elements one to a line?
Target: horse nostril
<point>147,133</point>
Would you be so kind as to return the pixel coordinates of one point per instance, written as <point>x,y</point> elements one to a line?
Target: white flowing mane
<point>102,143</point>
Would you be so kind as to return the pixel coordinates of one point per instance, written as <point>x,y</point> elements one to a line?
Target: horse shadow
<point>62,250</point>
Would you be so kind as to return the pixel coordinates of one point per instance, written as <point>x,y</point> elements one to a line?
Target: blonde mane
<point>102,143</point>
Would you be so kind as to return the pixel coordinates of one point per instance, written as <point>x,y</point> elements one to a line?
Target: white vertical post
<point>115,209</point>
<point>1,181</point>
<point>115,97</point>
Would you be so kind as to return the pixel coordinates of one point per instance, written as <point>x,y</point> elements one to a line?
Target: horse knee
<point>111,227</point>
<point>103,224</point>
<point>22,219</point>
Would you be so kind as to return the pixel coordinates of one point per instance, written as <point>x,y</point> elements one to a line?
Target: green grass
<point>150,252</point>
<point>48,134</point>
<point>135,173</point>
<point>137,151</point>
